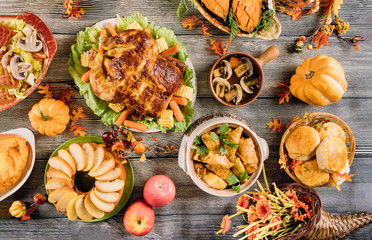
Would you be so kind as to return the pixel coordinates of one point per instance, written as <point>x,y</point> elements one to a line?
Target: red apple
<point>139,218</point>
<point>159,191</point>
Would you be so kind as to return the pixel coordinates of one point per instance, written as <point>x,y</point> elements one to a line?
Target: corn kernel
<point>162,44</point>
<point>117,107</point>
<point>166,119</point>
<point>84,60</point>
<point>185,91</point>
<point>134,25</point>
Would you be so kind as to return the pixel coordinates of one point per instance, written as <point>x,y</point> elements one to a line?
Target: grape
<point>108,137</point>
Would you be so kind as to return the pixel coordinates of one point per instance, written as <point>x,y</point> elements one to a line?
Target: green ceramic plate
<point>128,168</point>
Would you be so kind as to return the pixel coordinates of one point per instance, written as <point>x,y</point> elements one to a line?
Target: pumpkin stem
<point>309,75</point>
<point>45,118</point>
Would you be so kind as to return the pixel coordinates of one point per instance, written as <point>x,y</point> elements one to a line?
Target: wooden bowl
<point>316,117</point>
<point>272,34</point>
<point>269,54</point>
<point>50,46</point>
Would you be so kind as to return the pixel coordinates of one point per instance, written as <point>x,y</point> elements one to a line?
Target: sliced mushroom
<point>218,72</point>
<point>18,68</point>
<point>4,60</point>
<point>228,69</point>
<point>246,85</point>
<point>243,68</point>
<point>223,81</point>
<point>240,93</point>
<point>220,90</point>
<point>30,43</point>
<point>231,95</point>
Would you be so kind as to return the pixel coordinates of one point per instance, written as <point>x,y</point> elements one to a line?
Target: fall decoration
<point>285,95</point>
<point>65,95</point>
<point>190,23</point>
<point>72,9</point>
<point>39,198</point>
<point>217,48</point>
<point>46,90</point>
<point>319,81</point>
<point>205,31</point>
<point>276,124</point>
<point>49,116</point>
<point>77,114</point>
<point>78,129</point>
<point>18,209</point>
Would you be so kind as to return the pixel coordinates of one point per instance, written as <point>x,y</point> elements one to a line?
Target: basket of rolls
<point>317,150</point>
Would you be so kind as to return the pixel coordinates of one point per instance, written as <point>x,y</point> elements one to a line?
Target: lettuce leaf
<point>89,38</point>
<point>14,24</point>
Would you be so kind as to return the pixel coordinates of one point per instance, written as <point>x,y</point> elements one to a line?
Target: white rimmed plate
<point>30,137</point>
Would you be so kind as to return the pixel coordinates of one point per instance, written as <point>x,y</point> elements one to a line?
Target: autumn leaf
<point>142,158</point>
<point>205,31</point>
<point>216,46</point>
<point>345,176</point>
<point>293,120</point>
<point>321,38</point>
<point>72,9</point>
<point>331,5</point>
<point>78,129</point>
<point>314,8</point>
<point>276,124</point>
<point>190,24</point>
<point>295,12</point>
<point>65,95</point>
<point>283,161</point>
<point>227,46</point>
<point>285,95</point>
<point>46,90</point>
<point>294,164</point>
<point>297,3</point>
<point>77,114</point>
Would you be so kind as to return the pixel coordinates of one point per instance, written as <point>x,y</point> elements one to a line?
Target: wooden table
<point>194,214</point>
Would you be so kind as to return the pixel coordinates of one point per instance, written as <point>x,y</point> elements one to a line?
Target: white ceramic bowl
<point>30,137</point>
<point>205,124</point>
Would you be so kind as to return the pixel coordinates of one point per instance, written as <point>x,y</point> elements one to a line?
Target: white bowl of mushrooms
<point>222,155</point>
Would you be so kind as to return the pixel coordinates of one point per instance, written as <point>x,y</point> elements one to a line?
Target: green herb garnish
<point>182,8</point>
<point>266,20</point>
<point>224,128</point>
<point>244,176</point>
<point>236,188</point>
<point>232,179</point>
<point>320,126</point>
<point>201,149</point>
<point>231,22</point>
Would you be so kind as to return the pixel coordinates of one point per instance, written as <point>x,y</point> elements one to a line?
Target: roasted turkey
<point>131,71</point>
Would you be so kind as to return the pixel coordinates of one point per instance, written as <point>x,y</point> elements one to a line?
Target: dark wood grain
<point>195,214</point>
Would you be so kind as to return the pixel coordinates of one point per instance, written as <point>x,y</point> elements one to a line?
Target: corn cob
<point>166,119</point>
<point>185,91</point>
<point>134,25</point>
<point>162,44</point>
<point>117,107</point>
<point>84,60</point>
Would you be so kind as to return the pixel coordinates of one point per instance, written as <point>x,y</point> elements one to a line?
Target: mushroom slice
<point>19,68</point>
<point>4,60</point>
<point>240,93</point>
<point>220,90</point>
<point>30,43</point>
<point>245,85</point>
<point>223,81</point>
<point>245,67</point>
<point>228,69</point>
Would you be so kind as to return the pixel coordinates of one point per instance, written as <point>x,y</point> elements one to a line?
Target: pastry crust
<point>332,154</point>
<point>14,153</point>
<point>331,129</point>
<point>302,142</point>
<point>310,174</point>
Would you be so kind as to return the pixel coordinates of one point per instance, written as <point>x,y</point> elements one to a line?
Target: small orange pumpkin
<point>49,116</point>
<point>319,81</point>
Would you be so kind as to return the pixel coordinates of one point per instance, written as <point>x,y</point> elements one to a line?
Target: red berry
<point>155,139</point>
<point>108,137</point>
<point>139,147</point>
<point>39,198</point>
<point>172,147</point>
<point>357,47</point>
<point>302,38</point>
<point>140,139</point>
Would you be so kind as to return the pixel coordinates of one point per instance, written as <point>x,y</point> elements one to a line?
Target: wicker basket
<point>323,225</point>
<point>316,117</point>
<point>272,34</point>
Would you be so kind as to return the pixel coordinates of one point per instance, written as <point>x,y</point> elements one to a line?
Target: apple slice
<point>58,193</point>
<point>111,186</point>
<point>91,208</point>
<point>105,167</point>
<point>78,154</point>
<point>60,164</point>
<point>63,201</point>
<point>71,209</point>
<point>110,176</point>
<point>65,155</point>
<point>56,183</point>
<point>104,206</point>
<point>107,197</point>
<point>89,156</point>
<point>80,209</point>
<point>99,155</point>
<point>54,173</point>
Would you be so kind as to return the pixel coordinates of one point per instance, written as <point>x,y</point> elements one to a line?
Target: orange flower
<point>252,217</point>
<point>251,230</point>
<point>225,225</point>
<point>264,210</point>
<point>243,202</point>
<point>291,194</point>
<point>300,211</point>
<point>278,220</point>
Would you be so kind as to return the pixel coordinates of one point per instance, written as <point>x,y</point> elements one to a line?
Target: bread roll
<point>302,142</point>
<point>310,174</point>
<point>332,154</point>
<point>331,129</point>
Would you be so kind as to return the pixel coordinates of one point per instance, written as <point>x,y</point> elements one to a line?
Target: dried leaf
<point>77,115</point>
<point>142,158</point>
<point>331,6</point>
<point>46,90</point>
<point>227,46</point>
<point>294,164</point>
<point>205,31</point>
<point>345,176</point>
<point>295,13</point>
<point>131,137</point>
<point>285,95</point>
<point>321,38</point>
<point>296,3</point>
<point>314,8</point>
<point>283,161</point>
<point>190,24</point>
<point>216,46</point>
<point>65,95</point>
<point>276,124</point>
<point>72,9</point>
<point>78,129</point>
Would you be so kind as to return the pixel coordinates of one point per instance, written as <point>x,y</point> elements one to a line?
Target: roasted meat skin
<point>132,71</point>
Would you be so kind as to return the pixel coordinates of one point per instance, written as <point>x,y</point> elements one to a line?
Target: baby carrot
<point>177,111</point>
<point>111,29</point>
<point>102,34</point>
<point>180,100</point>
<point>122,117</point>
<point>86,77</point>
<point>135,125</point>
<point>170,51</point>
